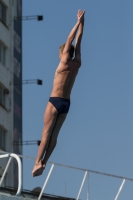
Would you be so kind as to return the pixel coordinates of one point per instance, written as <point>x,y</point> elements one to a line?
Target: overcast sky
<point>98,131</point>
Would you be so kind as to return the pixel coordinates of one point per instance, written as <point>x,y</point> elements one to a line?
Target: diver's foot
<point>38,169</point>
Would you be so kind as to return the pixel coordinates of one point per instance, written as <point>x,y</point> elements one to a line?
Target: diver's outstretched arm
<point>72,34</point>
<point>79,37</point>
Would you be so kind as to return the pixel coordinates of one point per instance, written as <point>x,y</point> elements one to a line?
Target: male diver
<point>59,101</point>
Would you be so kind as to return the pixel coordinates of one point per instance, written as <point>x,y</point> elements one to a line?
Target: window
<point>2,54</point>
<point>2,13</point>
<point>2,138</point>
<point>2,96</point>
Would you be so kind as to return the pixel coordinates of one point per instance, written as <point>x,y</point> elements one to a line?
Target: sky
<point>97,133</point>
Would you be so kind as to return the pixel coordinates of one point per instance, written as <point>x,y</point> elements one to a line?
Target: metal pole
<point>3,176</point>
<point>5,155</point>
<point>19,170</point>
<point>45,183</point>
<point>119,191</point>
<point>72,167</point>
<point>82,185</point>
<point>88,188</point>
<point>19,173</point>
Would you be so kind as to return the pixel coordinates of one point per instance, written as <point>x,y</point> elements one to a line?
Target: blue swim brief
<point>61,104</point>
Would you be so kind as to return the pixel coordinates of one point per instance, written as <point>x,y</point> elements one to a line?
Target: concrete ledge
<point>10,197</point>
<point>9,194</point>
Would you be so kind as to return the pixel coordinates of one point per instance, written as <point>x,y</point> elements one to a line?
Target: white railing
<point>10,156</point>
<point>86,173</point>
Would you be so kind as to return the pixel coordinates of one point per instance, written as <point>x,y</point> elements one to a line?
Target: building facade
<point>10,84</point>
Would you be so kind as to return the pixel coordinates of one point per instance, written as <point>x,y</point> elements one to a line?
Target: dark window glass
<point>2,96</point>
<point>2,54</point>
<point>2,139</point>
<point>2,13</point>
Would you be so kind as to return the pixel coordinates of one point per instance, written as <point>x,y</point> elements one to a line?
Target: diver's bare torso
<point>64,78</point>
